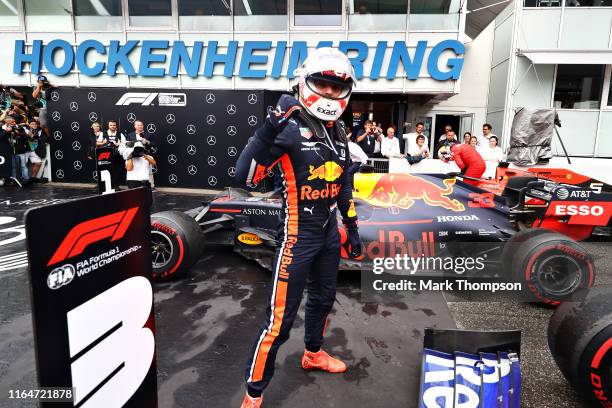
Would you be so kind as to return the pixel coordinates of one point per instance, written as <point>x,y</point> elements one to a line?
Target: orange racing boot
<point>250,402</point>
<point>322,361</point>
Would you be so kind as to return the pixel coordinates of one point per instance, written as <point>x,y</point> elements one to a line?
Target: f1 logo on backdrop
<point>113,226</point>
<point>582,212</point>
<point>125,354</point>
<point>147,98</point>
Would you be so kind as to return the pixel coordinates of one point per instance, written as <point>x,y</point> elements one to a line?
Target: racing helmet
<point>327,65</point>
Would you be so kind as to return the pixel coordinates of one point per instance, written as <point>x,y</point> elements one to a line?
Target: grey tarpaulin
<point>531,136</point>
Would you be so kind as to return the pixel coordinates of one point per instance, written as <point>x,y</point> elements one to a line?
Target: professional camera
<point>139,150</point>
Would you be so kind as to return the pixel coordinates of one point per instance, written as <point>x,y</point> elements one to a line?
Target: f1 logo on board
<point>113,226</point>
<point>104,156</point>
<point>582,212</point>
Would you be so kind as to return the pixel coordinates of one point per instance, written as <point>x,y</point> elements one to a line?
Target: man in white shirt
<point>389,146</point>
<point>138,166</point>
<point>410,138</point>
<point>483,140</point>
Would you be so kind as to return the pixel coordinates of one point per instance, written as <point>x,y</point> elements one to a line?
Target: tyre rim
<point>161,249</point>
<point>559,275</point>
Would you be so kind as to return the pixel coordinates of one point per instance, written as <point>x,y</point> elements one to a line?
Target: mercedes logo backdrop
<point>205,124</point>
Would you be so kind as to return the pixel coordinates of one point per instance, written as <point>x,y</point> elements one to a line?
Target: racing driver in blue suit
<point>305,140</point>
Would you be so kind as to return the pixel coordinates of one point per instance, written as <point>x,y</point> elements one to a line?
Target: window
<point>366,15</point>
<point>317,13</point>
<point>542,3</point>
<point>434,14</point>
<point>150,13</point>
<point>8,13</point>
<point>205,15</point>
<point>588,3</point>
<point>93,15</point>
<point>578,86</point>
<point>270,15</point>
<point>48,15</point>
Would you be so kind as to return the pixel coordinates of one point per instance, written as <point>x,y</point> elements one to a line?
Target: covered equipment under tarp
<point>531,136</point>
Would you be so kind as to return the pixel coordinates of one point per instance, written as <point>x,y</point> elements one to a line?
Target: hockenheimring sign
<point>159,58</point>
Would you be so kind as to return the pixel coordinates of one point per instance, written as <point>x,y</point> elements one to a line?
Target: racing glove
<point>286,107</point>
<point>354,241</point>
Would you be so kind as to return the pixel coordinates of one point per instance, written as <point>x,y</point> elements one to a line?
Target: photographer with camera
<point>368,138</point>
<point>138,165</point>
<point>19,147</point>
<point>40,101</point>
<point>37,141</point>
<point>6,152</point>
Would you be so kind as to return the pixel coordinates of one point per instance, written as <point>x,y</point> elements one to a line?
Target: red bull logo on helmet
<point>402,190</point>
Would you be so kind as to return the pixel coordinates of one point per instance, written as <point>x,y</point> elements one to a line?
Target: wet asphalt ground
<point>206,322</point>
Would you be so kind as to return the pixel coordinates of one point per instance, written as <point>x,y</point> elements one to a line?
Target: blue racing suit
<point>313,159</point>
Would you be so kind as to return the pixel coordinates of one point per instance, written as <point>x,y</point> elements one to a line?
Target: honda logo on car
<point>452,218</point>
<point>582,212</point>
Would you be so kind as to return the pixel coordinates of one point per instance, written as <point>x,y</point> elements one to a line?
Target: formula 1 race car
<point>523,225</point>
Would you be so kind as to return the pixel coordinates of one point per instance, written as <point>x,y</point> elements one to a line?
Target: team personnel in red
<point>308,144</point>
<point>469,161</point>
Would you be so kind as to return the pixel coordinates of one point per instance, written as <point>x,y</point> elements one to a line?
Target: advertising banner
<point>92,302</point>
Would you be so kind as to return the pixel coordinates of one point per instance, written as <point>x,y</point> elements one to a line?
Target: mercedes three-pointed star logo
<point>211,119</point>
<point>252,120</point>
<point>191,129</point>
<point>57,135</point>
<point>151,128</point>
<point>56,116</point>
<point>77,165</point>
<point>76,145</point>
<point>212,160</point>
<point>59,155</point>
<point>231,130</point>
<point>74,106</point>
<point>75,126</point>
<point>192,169</point>
<point>172,159</point>
<point>59,173</point>
<point>212,181</point>
<point>93,116</point>
<point>231,171</point>
<point>191,150</point>
<point>231,109</point>
<point>171,139</point>
<point>211,140</point>
<point>210,98</point>
<point>55,96</point>
<point>252,98</point>
<point>170,119</point>
<point>232,151</point>
<point>131,117</point>
<point>172,178</point>
<point>91,97</point>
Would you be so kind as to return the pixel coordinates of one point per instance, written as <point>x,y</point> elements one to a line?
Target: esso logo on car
<point>595,210</point>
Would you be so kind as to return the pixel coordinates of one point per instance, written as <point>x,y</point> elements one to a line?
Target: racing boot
<point>250,402</point>
<point>322,361</point>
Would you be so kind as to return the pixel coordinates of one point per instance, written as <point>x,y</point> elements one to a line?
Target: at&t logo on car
<point>61,276</point>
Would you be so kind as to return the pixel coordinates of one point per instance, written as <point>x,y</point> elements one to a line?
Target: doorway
<point>442,121</point>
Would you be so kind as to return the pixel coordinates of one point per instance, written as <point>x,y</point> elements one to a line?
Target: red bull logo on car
<point>402,190</point>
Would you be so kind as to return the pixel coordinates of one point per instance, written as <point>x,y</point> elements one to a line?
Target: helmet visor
<point>329,87</point>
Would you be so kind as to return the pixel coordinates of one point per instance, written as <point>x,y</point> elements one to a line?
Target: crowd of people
<point>24,135</point>
<point>371,142</point>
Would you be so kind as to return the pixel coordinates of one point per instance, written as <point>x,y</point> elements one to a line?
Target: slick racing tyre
<point>550,266</point>
<point>176,243</point>
<point>580,340</point>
